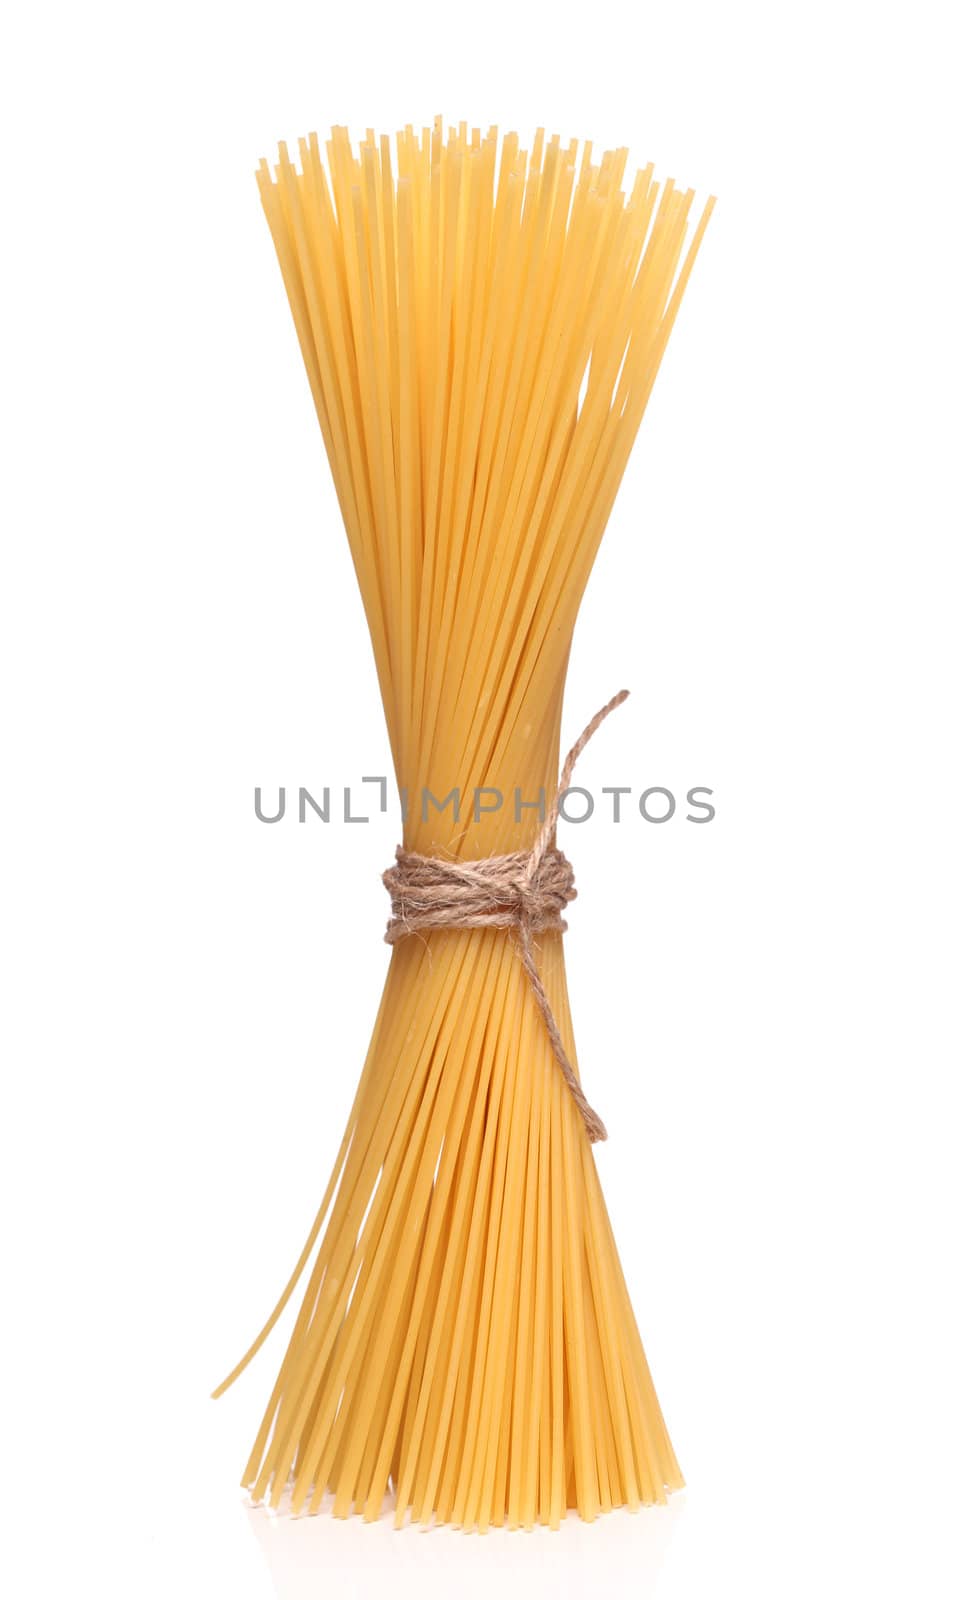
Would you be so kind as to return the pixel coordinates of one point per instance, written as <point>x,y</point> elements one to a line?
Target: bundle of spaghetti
<point>481,327</point>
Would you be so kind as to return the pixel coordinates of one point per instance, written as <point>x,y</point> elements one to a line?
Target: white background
<point>766,1008</point>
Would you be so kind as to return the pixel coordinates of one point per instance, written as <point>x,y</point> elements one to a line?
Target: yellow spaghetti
<point>481,328</point>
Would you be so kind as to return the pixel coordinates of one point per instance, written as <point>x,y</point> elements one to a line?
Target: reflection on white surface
<point>619,1554</point>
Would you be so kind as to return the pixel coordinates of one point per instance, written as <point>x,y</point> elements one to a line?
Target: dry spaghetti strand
<point>481,327</point>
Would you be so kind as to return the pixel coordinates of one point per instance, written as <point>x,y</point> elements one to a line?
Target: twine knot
<point>526,890</point>
<point>495,892</point>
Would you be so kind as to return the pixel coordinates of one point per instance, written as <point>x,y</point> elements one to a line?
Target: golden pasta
<point>481,328</point>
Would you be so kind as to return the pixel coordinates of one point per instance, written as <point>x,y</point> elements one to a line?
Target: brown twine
<point>527,890</point>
